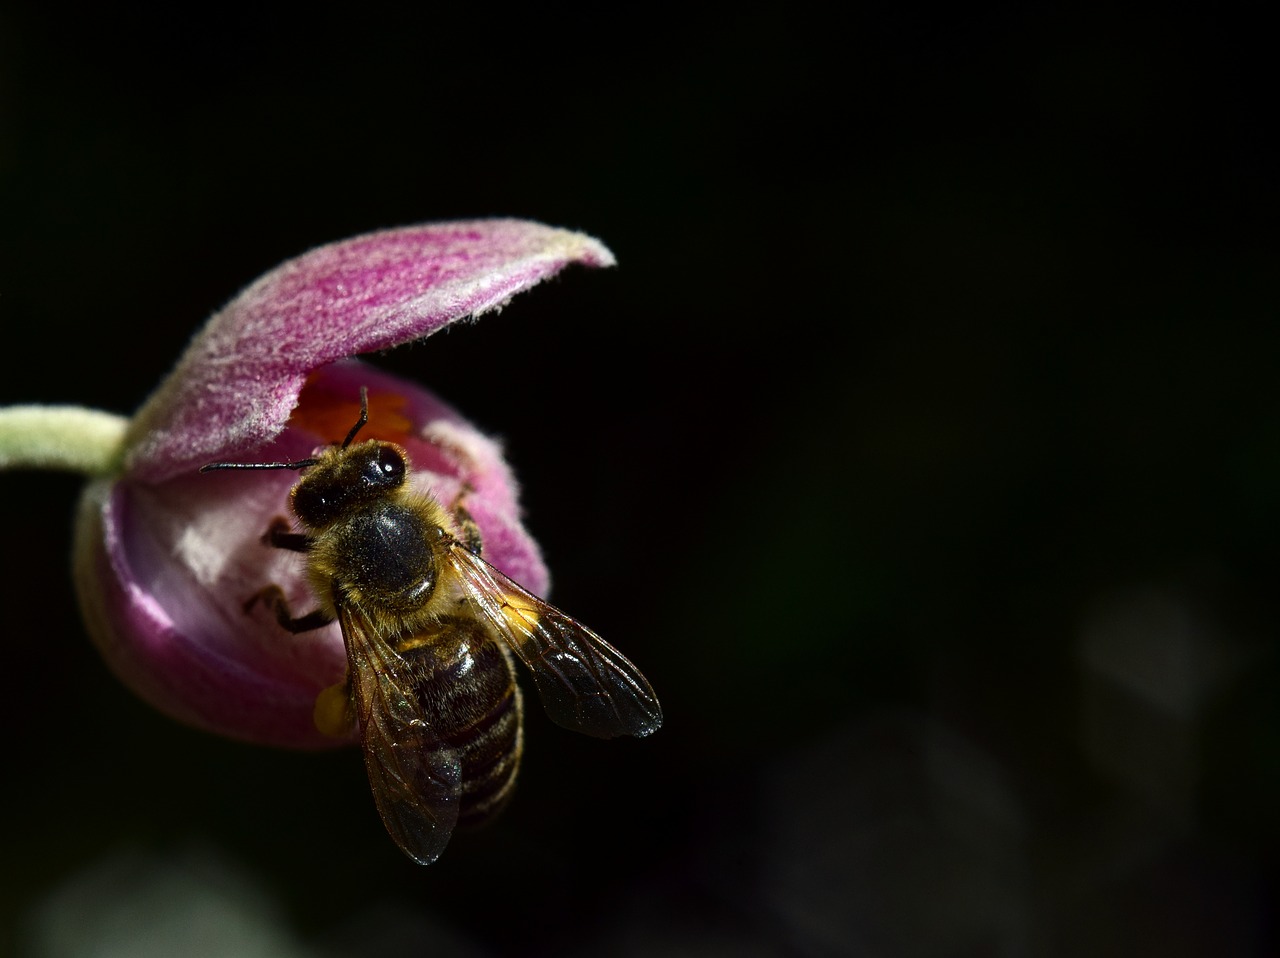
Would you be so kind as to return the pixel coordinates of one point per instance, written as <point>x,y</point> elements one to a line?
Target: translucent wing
<point>584,682</point>
<point>415,777</point>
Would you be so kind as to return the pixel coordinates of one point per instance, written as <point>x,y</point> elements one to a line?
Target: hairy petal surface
<point>236,385</point>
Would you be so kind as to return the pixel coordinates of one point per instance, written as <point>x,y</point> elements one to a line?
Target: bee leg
<point>469,532</point>
<point>279,536</point>
<point>273,598</point>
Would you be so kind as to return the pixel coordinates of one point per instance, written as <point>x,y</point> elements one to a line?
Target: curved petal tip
<point>239,380</point>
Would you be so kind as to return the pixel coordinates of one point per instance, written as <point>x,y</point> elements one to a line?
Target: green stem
<point>70,438</point>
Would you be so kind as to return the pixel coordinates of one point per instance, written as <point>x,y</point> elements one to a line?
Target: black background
<point>923,450</point>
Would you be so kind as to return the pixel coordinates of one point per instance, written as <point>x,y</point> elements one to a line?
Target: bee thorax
<point>384,556</point>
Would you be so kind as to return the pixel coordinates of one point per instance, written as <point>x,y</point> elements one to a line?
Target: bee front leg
<point>279,536</point>
<point>273,597</point>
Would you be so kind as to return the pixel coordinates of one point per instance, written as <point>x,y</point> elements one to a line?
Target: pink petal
<point>239,380</point>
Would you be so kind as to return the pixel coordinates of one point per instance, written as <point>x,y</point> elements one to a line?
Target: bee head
<point>347,477</point>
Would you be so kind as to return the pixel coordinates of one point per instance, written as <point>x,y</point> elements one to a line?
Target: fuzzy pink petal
<point>239,380</point>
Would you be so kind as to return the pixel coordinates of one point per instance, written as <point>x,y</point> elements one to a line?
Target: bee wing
<point>415,777</point>
<point>584,682</point>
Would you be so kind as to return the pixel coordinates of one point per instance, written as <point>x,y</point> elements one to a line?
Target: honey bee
<point>430,628</point>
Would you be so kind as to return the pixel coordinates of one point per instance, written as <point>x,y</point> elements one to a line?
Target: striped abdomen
<point>467,688</point>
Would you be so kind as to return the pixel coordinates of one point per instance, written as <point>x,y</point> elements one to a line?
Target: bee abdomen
<point>470,695</point>
<point>490,759</point>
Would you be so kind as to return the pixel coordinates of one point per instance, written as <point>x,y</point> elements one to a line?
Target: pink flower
<point>165,557</point>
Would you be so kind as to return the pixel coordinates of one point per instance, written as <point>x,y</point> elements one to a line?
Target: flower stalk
<point>63,438</point>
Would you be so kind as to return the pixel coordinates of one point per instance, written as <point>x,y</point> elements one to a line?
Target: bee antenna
<point>364,417</point>
<point>300,464</point>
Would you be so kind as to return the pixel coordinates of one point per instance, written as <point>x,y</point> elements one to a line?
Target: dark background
<point>923,450</point>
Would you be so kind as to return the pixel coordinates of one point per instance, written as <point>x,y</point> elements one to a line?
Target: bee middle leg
<point>469,532</point>
<point>273,598</point>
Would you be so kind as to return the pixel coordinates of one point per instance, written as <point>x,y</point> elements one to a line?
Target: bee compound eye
<point>387,467</point>
<point>310,504</point>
